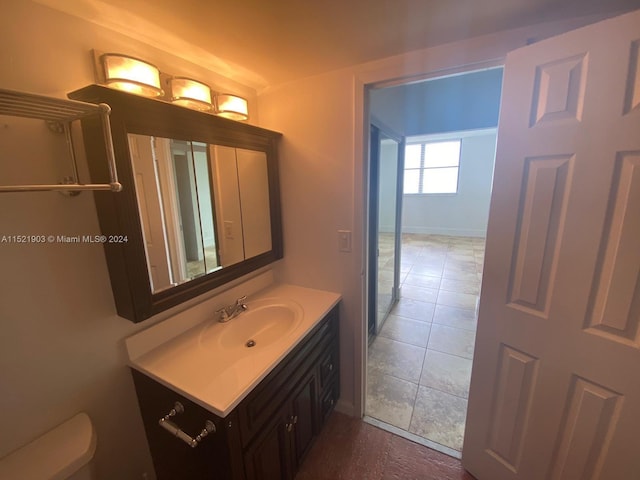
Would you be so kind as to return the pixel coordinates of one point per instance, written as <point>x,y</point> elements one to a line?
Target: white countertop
<point>219,379</point>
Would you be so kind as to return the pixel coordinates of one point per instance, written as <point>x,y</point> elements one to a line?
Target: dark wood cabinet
<point>269,455</point>
<point>303,420</point>
<point>268,435</point>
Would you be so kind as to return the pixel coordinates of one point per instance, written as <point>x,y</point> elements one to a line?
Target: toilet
<point>64,453</point>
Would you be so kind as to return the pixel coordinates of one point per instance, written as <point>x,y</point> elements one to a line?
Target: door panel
<point>304,418</point>
<point>269,457</point>
<point>151,214</point>
<point>555,391</point>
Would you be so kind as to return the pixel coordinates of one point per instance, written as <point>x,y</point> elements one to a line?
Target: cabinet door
<point>303,419</point>
<point>269,456</point>
<point>215,456</point>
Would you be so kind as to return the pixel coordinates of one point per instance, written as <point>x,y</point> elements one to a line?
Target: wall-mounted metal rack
<point>60,112</point>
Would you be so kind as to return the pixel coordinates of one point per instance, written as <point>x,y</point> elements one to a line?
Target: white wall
<point>466,212</point>
<point>388,106</point>
<point>61,345</point>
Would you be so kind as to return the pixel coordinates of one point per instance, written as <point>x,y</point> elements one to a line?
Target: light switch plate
<point>228,229</point>
<point>344,240</point>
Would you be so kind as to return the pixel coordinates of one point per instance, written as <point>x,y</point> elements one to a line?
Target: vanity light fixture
<point>131,75</point>
<point>231,106</point>
<point>190,93</point>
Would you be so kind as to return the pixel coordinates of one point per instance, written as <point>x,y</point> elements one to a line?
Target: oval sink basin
<point>264,322</point>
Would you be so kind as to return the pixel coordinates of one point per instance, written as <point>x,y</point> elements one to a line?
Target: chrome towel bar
<point>62,111</point>
<point>172,428</point>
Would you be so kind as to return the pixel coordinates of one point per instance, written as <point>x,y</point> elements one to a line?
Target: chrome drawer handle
<point>173,429</point>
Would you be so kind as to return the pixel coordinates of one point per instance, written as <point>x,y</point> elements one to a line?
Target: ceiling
<point>268,42</point>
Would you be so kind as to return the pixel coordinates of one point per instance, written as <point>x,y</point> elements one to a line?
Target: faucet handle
<point>224,315</point>
<point>241,300</point>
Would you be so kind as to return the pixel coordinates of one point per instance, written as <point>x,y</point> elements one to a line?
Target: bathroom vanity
<point>199,210</point>
<point>257,389</point>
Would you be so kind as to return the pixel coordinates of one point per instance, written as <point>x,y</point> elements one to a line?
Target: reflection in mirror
<point>242,202</point>
<point>195,213</point>
<point>202,207</point>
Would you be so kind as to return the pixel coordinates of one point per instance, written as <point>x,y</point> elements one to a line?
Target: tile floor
<point>419,366</point>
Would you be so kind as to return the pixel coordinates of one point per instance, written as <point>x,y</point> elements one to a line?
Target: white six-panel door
<point>555,390</point>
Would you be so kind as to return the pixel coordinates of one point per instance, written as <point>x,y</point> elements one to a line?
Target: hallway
<point>419,366</point>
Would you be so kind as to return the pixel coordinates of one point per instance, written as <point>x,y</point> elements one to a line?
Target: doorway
<point>419,360</point>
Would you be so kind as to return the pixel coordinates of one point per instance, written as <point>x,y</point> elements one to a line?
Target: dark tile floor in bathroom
<point>350,449</point>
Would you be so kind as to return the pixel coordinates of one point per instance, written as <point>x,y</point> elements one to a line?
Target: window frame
<point>422,169</point>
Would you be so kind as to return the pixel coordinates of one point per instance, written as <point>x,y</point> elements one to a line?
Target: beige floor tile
<point>411,250</point>
<point>460,241</point>
<point>436,239</point>
<point>409,258</point>
<point>447,373</point>
<point>466,265</point>
<point>426,281</point>
<point>405,267</point>
<point>459,267</point>
<point>396,358</point>
<point>419,293</point>
<point>433,249</point>
<point>471,287</point>
<point>458,275</point>
<point>458,250</point>
<point>455,299</point>
<point>455,341</point>
<point>463,257</point>
<point>406,330</point>
<point>431,260</point>
<point>390,399</point>
<point>440,417</point>
<point>414,309</point>
<point>435,271</point>
<point>455,317</point>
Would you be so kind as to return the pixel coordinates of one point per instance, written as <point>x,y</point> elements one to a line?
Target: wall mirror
<point>202,207</point>
<point>200,202</point>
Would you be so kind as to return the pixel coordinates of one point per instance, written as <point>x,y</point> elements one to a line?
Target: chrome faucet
<point>232,311</point>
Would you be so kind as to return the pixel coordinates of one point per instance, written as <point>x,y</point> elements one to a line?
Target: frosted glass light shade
<point>131,75</point>
<point>232,106</point>
<point>190,93</point>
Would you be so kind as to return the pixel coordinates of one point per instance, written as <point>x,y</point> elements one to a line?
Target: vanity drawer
<point>329,367</point>
<point>329,400</point>
<point>265,400</point>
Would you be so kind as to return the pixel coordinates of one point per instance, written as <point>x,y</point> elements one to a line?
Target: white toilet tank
<point>64,453</point>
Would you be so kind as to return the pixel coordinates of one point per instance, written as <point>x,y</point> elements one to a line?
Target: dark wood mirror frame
<point>118,212</point>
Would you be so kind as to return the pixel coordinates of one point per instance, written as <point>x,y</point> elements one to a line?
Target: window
<point>432,167</point>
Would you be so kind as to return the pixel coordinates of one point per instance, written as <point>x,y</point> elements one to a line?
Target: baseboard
<point>345,407</point>
<point>454,232</point>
